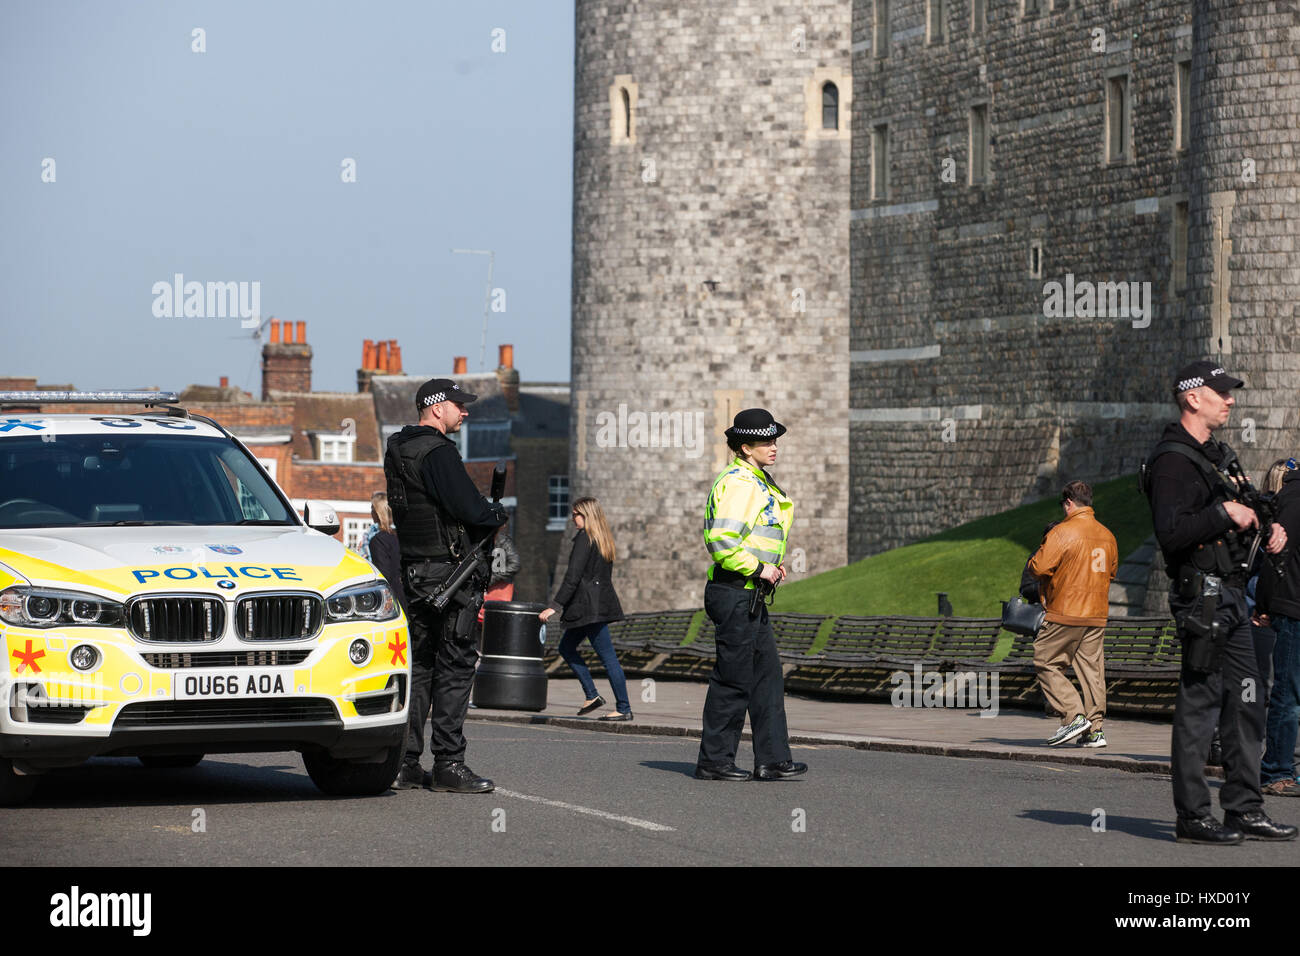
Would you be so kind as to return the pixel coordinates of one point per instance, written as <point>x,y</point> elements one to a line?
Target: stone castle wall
<point>924,384</point>
<point>965,398</point>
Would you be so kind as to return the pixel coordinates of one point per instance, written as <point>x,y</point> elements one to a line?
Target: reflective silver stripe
<point>726,524</point>
<point>771,557</point>
<point>723,544</point>
<point>769,531</point>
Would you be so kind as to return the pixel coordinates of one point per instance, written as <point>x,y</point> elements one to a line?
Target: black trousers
<point>443,656</point>
<point>746,677</point>
<point>1236,697</point>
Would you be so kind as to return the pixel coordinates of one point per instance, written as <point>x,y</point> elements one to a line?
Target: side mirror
<point>320,517</point>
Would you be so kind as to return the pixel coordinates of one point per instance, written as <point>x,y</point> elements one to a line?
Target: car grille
<point>278,617</point>
<point>174,660</point>
<point>156,713</point>
<point>180,619</point>
<point>56,715</point>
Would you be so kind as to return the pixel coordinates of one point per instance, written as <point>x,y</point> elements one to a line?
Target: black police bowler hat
<point>437,390</point>
<point>1204,372</point>
<point>755,423</point>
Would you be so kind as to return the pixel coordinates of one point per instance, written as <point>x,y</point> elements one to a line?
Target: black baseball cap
<point>437,390</point>
<point>1205,372</point>
<point>756,423</point>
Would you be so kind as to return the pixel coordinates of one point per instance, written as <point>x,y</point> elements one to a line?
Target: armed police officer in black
<point>1206,537</point>
<point>440,516</point>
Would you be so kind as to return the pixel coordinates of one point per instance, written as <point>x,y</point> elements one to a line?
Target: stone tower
<point>1243,254</point>
<point>710,270</point>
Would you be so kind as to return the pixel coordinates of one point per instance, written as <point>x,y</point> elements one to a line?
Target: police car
<point>160,598</point>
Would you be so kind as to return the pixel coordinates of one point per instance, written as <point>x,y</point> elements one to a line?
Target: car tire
<point>352,778</point>
<point>15,788</point>
<point>170,762</point>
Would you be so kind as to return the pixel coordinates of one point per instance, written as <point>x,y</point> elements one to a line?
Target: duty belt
<point>730,578</point>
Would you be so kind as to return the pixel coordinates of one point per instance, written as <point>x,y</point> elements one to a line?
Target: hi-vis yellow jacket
<point>747,520</point>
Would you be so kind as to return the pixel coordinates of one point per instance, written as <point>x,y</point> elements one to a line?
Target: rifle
<point>477,561</point>
<point>1265,508</point>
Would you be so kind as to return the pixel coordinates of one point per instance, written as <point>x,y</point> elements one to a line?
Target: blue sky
<point>225,166</point>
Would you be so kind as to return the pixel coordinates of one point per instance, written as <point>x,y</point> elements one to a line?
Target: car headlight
<point>49,607</point>
<point>369,602</point>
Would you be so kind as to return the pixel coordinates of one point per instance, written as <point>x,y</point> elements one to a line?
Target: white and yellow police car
<point>160,598</point>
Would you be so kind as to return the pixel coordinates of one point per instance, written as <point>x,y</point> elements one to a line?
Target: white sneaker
<point>1095,739</point>
<point>1069,731</point>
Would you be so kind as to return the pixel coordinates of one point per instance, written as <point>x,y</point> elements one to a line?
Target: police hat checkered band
<point>1187,383</point>
<point>769,430</point>
<point>435,398</point>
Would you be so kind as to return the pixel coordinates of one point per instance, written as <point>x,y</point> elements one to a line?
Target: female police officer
<point>746,522</point>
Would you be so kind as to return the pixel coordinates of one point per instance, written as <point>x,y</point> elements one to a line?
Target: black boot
<point>1257,826</point>
<point>458,778</point>
<point>1207,830</point>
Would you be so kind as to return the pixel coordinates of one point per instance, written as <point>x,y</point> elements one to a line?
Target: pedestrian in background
<point>587,604</point>
<point>1075,565</point>
<point>384,552</point>
<point>505,565</point>
<point>1279,607</point>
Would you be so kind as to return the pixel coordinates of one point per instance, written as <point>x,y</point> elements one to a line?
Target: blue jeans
<point>1283,703</point>
<point>598,634</point>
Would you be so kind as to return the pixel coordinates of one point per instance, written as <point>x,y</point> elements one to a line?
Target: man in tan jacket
<point>1076,563</point>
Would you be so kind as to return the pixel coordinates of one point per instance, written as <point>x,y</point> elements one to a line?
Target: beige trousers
<point>1060,644</point>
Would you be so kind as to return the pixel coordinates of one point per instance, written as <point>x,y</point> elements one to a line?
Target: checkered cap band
<point>769,430</point>
<point>1187,383</point>
<point>435,398</point>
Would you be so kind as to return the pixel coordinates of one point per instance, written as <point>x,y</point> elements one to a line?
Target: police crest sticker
<point>225,549</point>
<point>168,549</point>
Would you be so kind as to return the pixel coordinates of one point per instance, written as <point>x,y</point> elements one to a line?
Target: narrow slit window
<point>979,144</point>
<point>936,15</point>
<point>880,34</point>
<point>880,161</point>
<point>1182,103</point>
<point>1117,116</point>
<point>830,106</point>
<point>1179,243</point>
<point>627,114</point>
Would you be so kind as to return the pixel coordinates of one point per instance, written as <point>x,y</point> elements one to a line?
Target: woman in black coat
<point>586,602</point>
<point>384,552</point>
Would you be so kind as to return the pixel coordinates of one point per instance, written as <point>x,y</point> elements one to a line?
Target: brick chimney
<point>383,357</point>
<point>286,365</point>
<point>508,376</point>
<point>459,365</point>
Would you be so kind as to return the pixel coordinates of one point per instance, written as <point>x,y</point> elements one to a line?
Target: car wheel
<point>15,788</point>
<point>170,762</point>
<point>352,778</point>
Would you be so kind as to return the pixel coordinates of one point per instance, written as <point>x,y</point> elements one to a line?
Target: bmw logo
<point>226,584</point>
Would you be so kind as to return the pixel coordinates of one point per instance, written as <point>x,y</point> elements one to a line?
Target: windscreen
<point>104,480</point>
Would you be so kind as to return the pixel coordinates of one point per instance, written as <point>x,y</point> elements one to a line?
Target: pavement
<point>674,708</point>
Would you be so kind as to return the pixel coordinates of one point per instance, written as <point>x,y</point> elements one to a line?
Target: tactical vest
<point>425,532</point>
<point>1225,556</point>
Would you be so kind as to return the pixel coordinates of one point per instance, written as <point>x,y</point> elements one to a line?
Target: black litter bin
<point>511,675</point>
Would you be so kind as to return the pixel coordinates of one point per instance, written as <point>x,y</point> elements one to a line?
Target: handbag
<point>1021,617</point>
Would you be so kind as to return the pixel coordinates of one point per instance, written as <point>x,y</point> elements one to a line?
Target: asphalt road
<point>587,798</point>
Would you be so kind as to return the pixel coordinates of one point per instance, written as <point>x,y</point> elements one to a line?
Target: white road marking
<point>631,821</point>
